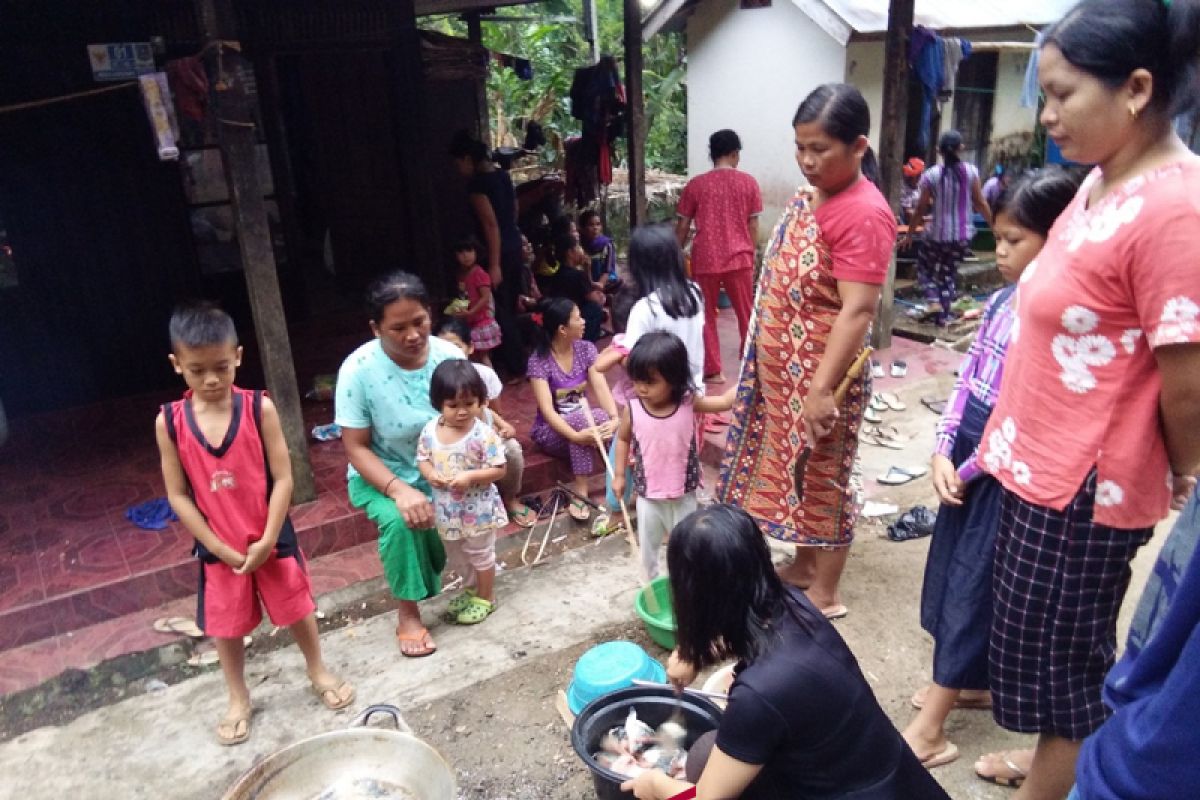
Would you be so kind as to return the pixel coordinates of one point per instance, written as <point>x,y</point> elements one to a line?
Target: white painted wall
<point>748,70</point>
<point>1007,114</point>
<point>864,70</point>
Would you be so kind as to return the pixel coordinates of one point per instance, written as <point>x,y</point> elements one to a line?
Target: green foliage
<point>556,48</point>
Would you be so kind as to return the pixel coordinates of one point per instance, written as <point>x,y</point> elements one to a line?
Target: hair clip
<point>536,317</point>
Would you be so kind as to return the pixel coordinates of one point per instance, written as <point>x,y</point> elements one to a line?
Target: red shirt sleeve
<point>861,232</point>
<point>755,197</point>
<point>1162,275</point>
<point>477,278</point>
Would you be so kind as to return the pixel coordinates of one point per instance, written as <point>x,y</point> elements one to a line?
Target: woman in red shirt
<point>820,284</point>
<point>1099,410</point>
<point>724,203</point>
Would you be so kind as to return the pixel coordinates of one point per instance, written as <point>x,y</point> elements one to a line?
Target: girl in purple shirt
<point>561,370</point>
<point>956,600</point>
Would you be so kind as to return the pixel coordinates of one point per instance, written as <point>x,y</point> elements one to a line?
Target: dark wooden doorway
<point>101,251</point>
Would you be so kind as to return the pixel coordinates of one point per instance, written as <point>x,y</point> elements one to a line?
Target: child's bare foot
<point>414,639</point>
<point>234,727</point>
<point>334,692</point>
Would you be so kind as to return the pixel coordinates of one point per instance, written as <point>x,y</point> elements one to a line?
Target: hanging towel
<point>955,51</point>
<point>1031,90</point>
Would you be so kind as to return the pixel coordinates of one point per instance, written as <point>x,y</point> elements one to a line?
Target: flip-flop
<point>1011,781</point>
<point>233,725</point>
<point>879,440</point>
<point>578,511</point>
<point>949,753</point>
<point>331,695</point>
<point>968,703</point>
<point>899,369</point>
<point>420,636</point>
<point>872,416</point>
<point>892,401</point>
<point>835,612</point>
<point>205,659</point>
<point>877,403</point>
<point>181,625</point>
<point>524,517</point>
<point>892,432</point>
<point>934,404</point>
<point>898,476</point>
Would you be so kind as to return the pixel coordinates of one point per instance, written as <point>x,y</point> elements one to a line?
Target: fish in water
<point>634,747</point>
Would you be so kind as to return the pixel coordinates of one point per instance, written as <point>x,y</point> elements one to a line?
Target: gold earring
<point>1133,112</point>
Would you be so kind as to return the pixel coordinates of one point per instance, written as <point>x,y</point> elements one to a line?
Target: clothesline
<point>1002,47</point>
<point>48,101</point>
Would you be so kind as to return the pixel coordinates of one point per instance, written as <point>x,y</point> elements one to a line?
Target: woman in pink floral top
<point>1099,411</point>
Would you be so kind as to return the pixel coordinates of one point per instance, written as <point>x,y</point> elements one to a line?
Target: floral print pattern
<point>1177,325</point>
<point>461,514</point>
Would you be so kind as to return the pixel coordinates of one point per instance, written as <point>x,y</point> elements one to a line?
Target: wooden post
<point>891,143</point>
<point>475,35</point>
<point>591,28</point>
<point>637,113</point>
<point>233,97</point>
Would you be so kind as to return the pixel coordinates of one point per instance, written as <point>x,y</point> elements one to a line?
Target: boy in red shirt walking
<point>228,477</point>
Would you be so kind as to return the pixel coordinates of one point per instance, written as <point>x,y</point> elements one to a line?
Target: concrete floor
<point>160,744</point>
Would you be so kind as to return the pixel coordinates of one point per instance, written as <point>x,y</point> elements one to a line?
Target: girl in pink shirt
<point>1099,409</point>
<point>659,428</point>
<point>480,314</point>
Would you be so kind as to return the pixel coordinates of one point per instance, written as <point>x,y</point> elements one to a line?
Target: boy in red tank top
<point>228,476</point>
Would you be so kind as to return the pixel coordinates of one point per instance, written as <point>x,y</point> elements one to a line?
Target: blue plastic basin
<point>608,667</point>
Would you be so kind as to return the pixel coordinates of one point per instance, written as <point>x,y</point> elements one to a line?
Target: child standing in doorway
<point>229,478</point>
<point>474,283</point>
<point>461,458</point>
<point>956,600</point>
<point>659,426</point>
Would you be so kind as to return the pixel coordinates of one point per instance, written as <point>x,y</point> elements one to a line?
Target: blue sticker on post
<point>120,61</point>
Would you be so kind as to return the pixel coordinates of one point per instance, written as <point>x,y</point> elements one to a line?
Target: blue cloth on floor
<point>152,515</point>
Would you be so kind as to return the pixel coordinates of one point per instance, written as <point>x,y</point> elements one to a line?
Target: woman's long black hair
<point>656,263</point>
<point>953,167</point>
<point>843,114</point>
<point>1109,39</point>
<point>725,592</point>
<point>550,315</point>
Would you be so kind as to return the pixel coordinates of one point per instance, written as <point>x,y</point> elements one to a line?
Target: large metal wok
<point>353,764</point>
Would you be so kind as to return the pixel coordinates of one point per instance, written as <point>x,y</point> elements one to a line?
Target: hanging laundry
<point>189,86</point>
<point>935,62</point>
<point>1030,90</point>
<point>523,67</point>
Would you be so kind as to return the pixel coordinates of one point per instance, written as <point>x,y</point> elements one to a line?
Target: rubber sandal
<point>234,738</point>
<point>871,415</point>
<point>879,440</point>
<point>206,659</point>
<point>181,625</point>
<point>1012,781</point>
<point>899,369</point>
<point>419,636</point>
<point>934,404</point>
<point>476,612</point>
<point>970,703</point>
<point>836,612</point>
<point>898,476</point>
<point>330,695</point>
<point>877,403</point>
<point>876,369</point>
<point>578,511</point>
<point>949,754</point>
<point>893,433</point>
<point>457,605</point>
<point>525,517</point>
<point>892,401</point>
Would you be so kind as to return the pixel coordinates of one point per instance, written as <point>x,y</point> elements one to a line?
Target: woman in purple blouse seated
<point>561,370</point>
<point>956,602</point>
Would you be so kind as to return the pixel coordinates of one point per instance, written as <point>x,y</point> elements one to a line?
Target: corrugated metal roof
<point>870,16</point>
